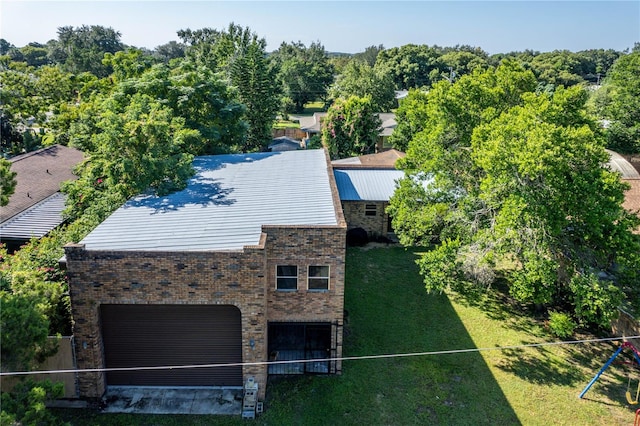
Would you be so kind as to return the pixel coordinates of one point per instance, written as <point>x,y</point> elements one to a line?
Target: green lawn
<point>388,311</point>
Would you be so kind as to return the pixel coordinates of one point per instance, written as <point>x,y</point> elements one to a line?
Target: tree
<point>411,66</point>
<point>370,54</point>
<point>305,73</point>
<point>7,181</point>
<point>168,51</point>
<point>411,116</point>
<point>500,172</point>
<point>351,127</point>
<point>82,49</point>
<point>360,79</point>
<point>136,146</point>
<point>623,104</point>
<point>239,54</point>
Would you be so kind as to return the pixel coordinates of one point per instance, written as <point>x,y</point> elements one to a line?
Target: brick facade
<point>245,279</point>
<point>355,215</point>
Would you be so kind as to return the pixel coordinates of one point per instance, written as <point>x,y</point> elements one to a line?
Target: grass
<point>388,311</point>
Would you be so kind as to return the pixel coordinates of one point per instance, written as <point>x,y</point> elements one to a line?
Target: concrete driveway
<point>159,400</point>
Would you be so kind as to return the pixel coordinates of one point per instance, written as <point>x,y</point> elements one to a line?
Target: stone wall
<point>354,213</point>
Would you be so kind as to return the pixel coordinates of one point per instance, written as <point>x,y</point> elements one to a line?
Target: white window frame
<point>310,278</point>
<point>278,277</point>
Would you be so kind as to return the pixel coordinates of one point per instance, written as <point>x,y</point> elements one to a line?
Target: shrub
<point>561,324</point>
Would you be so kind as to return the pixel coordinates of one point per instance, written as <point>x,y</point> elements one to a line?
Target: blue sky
<point>495,26</point>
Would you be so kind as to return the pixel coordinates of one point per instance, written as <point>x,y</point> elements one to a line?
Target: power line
<point>348,358</point>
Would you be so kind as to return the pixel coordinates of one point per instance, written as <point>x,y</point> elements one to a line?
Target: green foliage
<point>622,105</point>
<point>440,267</point>
<point>25,404</point>
<point>7,181</point>
<point>360,79</point>
<point>596,301</point>
<point>561,324</point>
<point>351,127</point>
<point>518,176</point>
<point>82,49</point>
<point>411,117</point>
<point>305,73</point>
<point>411,66</point>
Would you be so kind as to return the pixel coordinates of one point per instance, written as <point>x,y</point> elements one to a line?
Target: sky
<point>344,26</point>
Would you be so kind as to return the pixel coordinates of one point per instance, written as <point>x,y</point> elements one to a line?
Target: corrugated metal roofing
<point>224,205</point>
<point>366,184</point>
<point>36,221</point>
<point>619,164</point>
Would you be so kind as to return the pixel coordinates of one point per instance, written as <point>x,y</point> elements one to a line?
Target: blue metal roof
<point>366,184</point>
<point>224,205</point>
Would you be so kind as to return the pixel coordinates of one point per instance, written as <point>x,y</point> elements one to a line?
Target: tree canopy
<point>305,73</point>
<point>501,175</point>
<point>351,127</point>
<point>360,79</point>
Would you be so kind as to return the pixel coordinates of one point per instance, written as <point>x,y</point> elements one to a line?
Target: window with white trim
<point>286,277</point>
<point>370,210</point>
<point>318,278</point>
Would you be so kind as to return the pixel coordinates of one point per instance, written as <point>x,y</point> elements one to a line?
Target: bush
<point>25,404</point>
<point>561,324</point>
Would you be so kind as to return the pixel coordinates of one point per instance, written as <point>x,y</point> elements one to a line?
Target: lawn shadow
<point>391,312</point>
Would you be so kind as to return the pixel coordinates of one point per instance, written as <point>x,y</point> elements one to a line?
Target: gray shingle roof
<point>366,184</point>
<point>39,175</point>
<point>224,205</point>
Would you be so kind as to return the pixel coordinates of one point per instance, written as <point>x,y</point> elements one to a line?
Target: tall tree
<point>370,54</point>
<point>360,79</point>
<point>304,72</point>
<point>411,66</point>
<point>239,54</point>
<point>411,116</point>
<point>351,127</point>
<point>623,104</point>
<point>502,173</point>
<point>82,49</point>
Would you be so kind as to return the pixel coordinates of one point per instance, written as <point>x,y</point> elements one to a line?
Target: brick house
<point>365,185</point>
<point>35,207</point>
<point>244,265</point>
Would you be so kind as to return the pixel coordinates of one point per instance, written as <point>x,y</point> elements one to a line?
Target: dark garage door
<point>159,335</point>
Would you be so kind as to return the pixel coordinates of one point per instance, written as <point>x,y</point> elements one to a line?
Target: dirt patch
<point>373,245</point>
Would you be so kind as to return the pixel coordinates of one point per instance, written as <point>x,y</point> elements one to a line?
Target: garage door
<point>161,335</point>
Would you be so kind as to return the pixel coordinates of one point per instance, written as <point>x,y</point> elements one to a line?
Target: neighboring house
<point>630,175</point>
<point>245,265</point>
<point>36,206</point>
<point>365,185</point>
<point>284,143</point>
<point>312,125</point>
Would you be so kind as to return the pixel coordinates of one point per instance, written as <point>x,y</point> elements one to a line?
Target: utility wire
<point>348,358</point>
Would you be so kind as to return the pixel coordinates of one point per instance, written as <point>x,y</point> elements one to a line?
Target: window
<point>286,277</point>
<point>318,278</point>
<point>370,210</point>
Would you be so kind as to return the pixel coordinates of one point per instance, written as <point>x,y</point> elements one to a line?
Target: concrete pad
<point>158,400</point>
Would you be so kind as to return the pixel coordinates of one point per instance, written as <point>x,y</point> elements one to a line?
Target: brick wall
<point>245,279</point>
<point>227,278</point>
<point>354,213</point>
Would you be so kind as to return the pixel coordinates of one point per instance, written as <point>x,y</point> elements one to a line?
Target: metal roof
<point>366,184</point>
<point>36,221</point>
<point>224,205</point>
<point>619,164</point>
